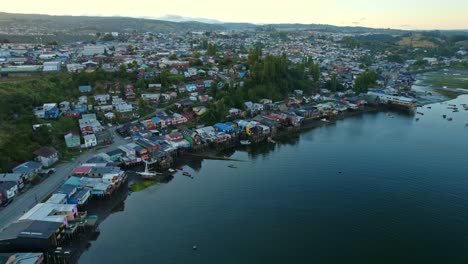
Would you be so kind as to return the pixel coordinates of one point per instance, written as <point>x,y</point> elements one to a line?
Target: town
<point>144,99</point>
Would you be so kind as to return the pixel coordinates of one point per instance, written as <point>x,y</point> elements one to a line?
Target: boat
<point>245,142</point>
<point>171,170</point>
<point>324,120</point>
<point>271,140</point>
<point>147,174</point>
<point>444,116</point>
<point>417,119</point>
<point>449,119</point>
<point>180,168</point>
<point>429,107</point>
<point>186,173</point>
<point>232,166</point>
<point>420,113</point>
<point>466,125</point>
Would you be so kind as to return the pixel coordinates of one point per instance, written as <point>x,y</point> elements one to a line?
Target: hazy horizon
<point>398,14</point>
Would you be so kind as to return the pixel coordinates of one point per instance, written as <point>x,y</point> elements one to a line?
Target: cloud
<point>362,19</point>
<point>405,26</point>
<point>355,22</point>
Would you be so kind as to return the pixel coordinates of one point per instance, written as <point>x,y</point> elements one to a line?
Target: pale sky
<point>403,14</point>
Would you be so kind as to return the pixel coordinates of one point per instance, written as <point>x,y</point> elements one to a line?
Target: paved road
<point>27,200</point>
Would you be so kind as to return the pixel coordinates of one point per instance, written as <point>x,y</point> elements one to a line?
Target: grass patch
<point>136,187</point>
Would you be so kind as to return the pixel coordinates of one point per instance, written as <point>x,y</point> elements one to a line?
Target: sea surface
<point>377,188</point>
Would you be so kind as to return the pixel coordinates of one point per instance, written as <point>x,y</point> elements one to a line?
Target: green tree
<point>364,81</point>
<point>108,37</point>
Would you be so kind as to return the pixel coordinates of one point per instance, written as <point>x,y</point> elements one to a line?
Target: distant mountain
<point>176,18</point>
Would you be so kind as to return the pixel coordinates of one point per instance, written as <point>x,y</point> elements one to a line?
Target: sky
<point>401,14</point>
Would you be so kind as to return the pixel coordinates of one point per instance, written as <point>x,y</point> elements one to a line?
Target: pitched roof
<point>45,152</point>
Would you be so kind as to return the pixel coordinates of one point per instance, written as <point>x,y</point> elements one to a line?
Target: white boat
<point>324,120</point>
<point>245,142</point>
<point>147,174</point>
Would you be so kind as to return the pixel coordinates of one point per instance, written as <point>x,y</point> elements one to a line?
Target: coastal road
<point>27,200</point>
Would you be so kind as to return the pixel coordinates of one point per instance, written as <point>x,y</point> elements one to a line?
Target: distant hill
<point>92,24</point>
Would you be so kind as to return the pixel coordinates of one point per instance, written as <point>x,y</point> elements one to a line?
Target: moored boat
<point>186,173</point>
<point>147,174</point>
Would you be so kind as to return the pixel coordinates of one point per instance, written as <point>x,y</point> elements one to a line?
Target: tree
<point>173,57</point>
<point>108,37</point>
<point>364,81</point>
<point>211,50</point>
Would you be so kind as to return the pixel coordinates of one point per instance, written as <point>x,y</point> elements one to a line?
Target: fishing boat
<point>147,174</point>
<point>245,142</point>
<point>186,173</point>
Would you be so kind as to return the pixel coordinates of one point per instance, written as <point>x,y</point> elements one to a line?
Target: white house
<point>90,140</point>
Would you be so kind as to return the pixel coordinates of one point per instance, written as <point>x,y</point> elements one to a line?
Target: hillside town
<point>163,112</point>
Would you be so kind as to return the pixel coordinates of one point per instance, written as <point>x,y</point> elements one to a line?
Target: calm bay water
<point>370,189</point>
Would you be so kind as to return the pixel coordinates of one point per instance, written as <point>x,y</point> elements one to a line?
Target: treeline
<point>270,77</point>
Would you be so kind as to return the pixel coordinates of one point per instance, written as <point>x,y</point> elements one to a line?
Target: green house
<point>72,139</point>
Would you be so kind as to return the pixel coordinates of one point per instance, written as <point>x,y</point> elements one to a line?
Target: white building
<point>51,66</point>
<point>91,50</point>
<point>90,140</point>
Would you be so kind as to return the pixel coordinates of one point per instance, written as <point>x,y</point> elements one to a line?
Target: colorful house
<point>72,139</point>
<point>85,88</point>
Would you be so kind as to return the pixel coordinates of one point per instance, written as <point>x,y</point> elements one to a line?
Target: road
<point>27,200</point>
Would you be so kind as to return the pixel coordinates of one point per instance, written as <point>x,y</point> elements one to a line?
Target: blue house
<point>28,169</point>
<point>221,127</point>
<point>191,87</point>
<point>51,112</point>
<point>82,108</point>
<point>85,88</point>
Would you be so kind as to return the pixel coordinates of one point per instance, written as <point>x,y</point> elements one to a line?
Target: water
<point>370,189</point>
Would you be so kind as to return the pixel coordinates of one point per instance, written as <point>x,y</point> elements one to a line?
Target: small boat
<point>186,173</point>
<point>271,140</point>
<point>420,113</point>
<point>417,119</point>
<point>324,120</point>
<point>147,174</point>
<point>171,170</point>
<point>449,119</point>
<point>245,142</point>
<point>232,166</point>
<point>429,107</point>
<point>444,116</point>
<point>180,168</point>
<point>455,110</point>
<point>466,125</point>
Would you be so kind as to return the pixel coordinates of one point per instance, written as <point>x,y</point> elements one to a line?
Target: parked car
<point>6,203</point>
